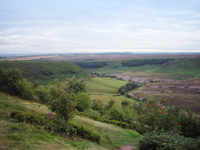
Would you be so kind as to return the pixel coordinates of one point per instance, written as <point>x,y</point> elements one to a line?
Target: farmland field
<point>105,89</point>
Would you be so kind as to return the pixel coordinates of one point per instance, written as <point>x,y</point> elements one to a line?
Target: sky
<point>95,26</point>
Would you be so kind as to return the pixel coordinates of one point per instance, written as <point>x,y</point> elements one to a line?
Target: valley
<point>168,86</point>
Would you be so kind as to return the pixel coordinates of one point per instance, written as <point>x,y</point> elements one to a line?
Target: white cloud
<point>98,26</point>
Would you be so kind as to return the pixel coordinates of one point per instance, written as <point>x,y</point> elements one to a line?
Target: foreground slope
<point>16,135</point>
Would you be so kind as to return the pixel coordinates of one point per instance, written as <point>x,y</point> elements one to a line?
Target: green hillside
<point>119,66</point>
<point>22,135</point>
<point>188,67</point>
<point>46,71</point>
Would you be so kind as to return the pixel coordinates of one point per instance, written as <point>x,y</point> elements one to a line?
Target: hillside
<point>16,135</point>
<point>188,67</point>
<point>176,68</point>
<point>45,72</point>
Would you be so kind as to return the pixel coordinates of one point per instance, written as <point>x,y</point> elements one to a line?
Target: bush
<point>167,141</point>
<point>84,101</point>
<point>25,89</point>
<point>109,105</point>
<point>125,103</point>
<point>116,113</point>
<point>42,94</point>
<point>190,124</point>
<point>98,105</point>
<point>159,116</point>
<point>8,79</point>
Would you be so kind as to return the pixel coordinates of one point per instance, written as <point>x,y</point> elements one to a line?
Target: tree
<point>25,89</point>
<point>64,97</point>
<point>98,105</point>
<point>109,105</point>
<point>8,80</point>
<point>84,101</point>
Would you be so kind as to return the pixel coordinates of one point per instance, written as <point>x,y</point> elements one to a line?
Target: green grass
<point>117,98</point>
<point>25,136</point>
<point>110,82</point>
<point>105,89</point>
<point>97,88</point>
<point>110,133</point>
<point>188,67</point>
<point>104,85</point>
<point>16,135</point>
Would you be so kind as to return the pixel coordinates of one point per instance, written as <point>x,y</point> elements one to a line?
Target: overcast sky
<point>49,26</point>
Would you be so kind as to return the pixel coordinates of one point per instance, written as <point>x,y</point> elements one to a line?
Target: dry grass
<point>29,58</point>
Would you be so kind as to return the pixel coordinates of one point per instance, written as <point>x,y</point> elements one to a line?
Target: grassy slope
<point>120,69</point>
<point>180,68</point>
<point>189,67</point>
<point>46,71</point>
<point>106,89</point>
<point>25,136</point>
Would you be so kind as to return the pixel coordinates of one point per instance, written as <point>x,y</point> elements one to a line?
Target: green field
<point>104,85</point>
<point>105,89</point>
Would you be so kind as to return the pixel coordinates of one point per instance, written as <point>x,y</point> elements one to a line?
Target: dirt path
<point>127,147</point>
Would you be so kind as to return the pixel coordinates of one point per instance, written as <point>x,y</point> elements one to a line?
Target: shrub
<point>125,103</point>
<point>167,141</point>
<point>159,116</point>
<point>98,105</point>
<point>109,105</point>
<point>116,113</point>
<point>42,94</point>
<point>190,124</point>
<point>25,89</point>
<point>84,101</point>
<point>8,79</point>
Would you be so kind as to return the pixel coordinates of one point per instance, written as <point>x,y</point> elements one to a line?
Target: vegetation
<point>128,87</point>
<point>167,141</point>
<point>13,82</point>
<point>45,72</point>
<point>66,109</point>
<point>64,97</point>
<point>189,67</point>
<point>141,62</point>
<point>95,64</point>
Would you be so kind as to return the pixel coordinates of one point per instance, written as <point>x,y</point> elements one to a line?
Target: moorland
<point>121,100</point>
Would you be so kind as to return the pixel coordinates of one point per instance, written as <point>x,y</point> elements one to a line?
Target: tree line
<point>141,62</point>
<point>94,64</point>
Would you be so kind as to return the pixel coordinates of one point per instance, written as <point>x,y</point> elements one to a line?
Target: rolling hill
<point>45,72</point>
